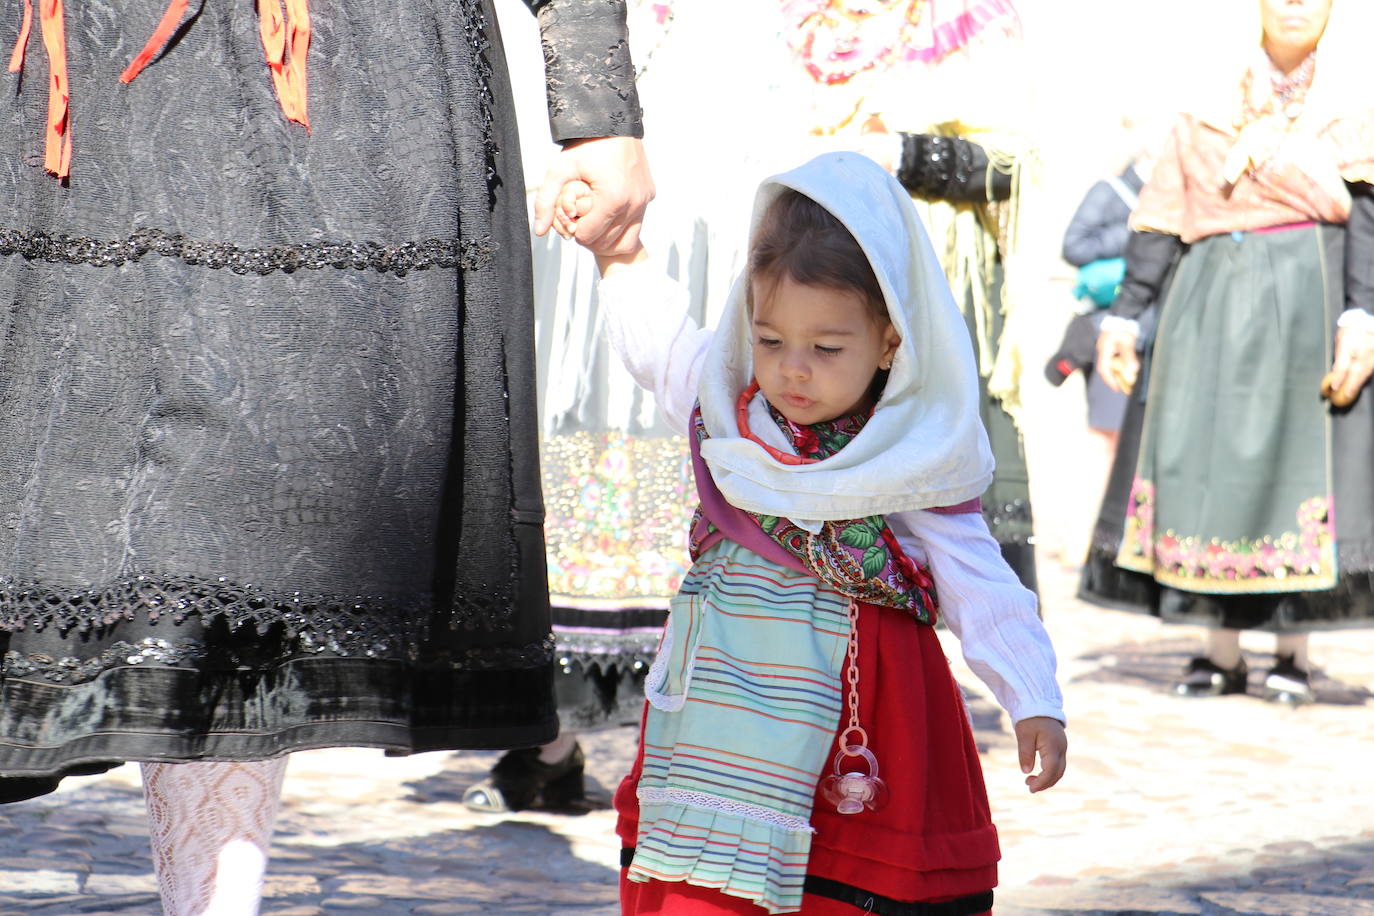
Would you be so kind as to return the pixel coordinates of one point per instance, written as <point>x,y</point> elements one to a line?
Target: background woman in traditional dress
<point>927,90</point>
<point>267,412</point>
<point>1250,503</point>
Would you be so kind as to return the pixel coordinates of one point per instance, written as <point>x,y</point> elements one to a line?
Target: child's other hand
<point>574,202</point>
<point>1044,736</point>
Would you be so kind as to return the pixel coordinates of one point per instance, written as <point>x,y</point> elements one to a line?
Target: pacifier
<point>851,791</point>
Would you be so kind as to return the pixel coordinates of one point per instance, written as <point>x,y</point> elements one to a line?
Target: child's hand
<point>1044,736</point>
<point>574,202</point>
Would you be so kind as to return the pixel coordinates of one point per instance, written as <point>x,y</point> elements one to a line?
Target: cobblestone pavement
<point>1226,807</point>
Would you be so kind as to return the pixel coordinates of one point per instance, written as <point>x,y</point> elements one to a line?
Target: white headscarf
<point>925,445</point>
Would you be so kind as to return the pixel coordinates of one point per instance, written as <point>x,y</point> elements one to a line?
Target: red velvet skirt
<point>933,841</point>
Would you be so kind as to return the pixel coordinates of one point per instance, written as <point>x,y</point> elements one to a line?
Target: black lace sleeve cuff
<point>588,70</point>
<point>1359,249</point>
<point>1150,257</point>
<point>950,168</point>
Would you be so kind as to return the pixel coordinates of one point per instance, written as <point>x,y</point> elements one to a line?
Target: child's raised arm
<point>646,316</point>
<point>648,325</point>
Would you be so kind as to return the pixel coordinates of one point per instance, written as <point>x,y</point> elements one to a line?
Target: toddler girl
<point>805,747</point>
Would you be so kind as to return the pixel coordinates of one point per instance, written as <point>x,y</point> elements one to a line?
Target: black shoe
<point>1288,684</point>
<point>1205,678</point>
<point>521,780</point>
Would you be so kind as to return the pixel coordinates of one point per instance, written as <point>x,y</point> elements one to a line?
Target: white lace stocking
<point>211,826</point>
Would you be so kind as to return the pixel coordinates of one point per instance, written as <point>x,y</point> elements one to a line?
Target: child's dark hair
<point>799,239</point>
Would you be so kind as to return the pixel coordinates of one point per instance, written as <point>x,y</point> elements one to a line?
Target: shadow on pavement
<point>465,769</point>
<point>71,853</point>
<point>1155,665</point>
<point>1291,879</point>
<point>508,867</point>
<point>87,852</point>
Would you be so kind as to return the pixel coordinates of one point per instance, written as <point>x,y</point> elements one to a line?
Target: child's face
<point>816,349</point>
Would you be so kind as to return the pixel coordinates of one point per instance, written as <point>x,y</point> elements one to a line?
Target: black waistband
<point>878,905</point>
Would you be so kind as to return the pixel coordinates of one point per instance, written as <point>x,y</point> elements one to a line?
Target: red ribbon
<point>285,40</point>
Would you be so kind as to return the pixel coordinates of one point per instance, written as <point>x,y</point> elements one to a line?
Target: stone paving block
<point>1261,904</point>
<point>75,817</point>
<point>1219,883</point>
<point>449,909</point>
<point>128,829</point>
<point>1291,847</point>
<point>363,904</point>
<point>542,908</point>
<point>130,903</point>
<point>32,863</point>
<point>39,881</point>
<point>415,867</point>
<point>432,888</point>
<point>62,900</point>
<point>53,839</point>
<point>114,885</point>
<point>290,885</point>
<point>566,894</point>
<point>67,856</point>
<point>1107,901</point>
<point>124,865</point>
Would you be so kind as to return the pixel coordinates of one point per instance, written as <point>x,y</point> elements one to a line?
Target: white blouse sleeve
<point>660,344</point>
<point>984,605</point>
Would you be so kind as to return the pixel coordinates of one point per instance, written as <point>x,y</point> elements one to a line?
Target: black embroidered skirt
<point>268,460</point>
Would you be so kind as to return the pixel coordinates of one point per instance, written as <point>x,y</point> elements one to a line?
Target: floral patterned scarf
<point>860,558</point>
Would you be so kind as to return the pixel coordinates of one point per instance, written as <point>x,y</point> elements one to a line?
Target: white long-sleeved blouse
<point>981,601</point>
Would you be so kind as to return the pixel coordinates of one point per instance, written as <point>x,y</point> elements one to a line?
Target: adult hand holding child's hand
<point>617,174</point>
<point>574,202</point>
<point>1043,736</point>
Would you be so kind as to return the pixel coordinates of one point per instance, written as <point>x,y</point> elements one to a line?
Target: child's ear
<point>891,341</point>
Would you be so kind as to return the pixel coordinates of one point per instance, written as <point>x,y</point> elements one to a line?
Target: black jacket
<point>1098,229</point>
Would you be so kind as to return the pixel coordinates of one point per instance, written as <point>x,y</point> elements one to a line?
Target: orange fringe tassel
<point>171,18</point>
<point>285,40</point>
<point>17,55</point>
<point>57,154</point>
<point>57,146</point>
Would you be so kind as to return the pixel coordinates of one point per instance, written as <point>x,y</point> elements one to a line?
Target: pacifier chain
<point>852,791</point>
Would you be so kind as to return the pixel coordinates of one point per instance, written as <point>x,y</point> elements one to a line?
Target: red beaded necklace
<point>742,421</point>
